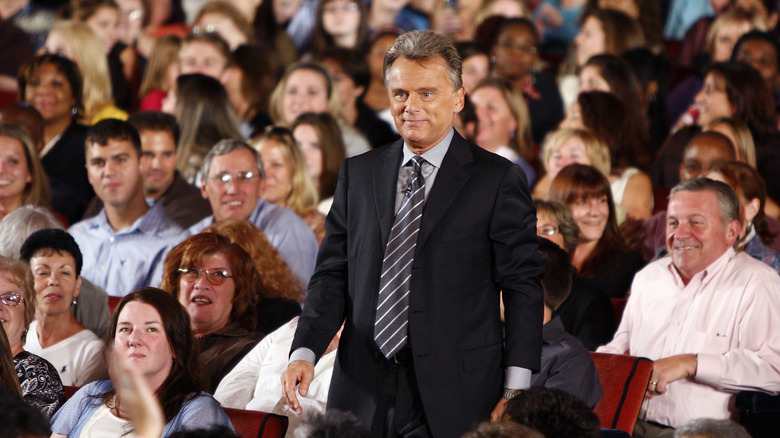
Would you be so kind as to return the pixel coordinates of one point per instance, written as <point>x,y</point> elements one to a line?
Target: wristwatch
<point>509,394</point>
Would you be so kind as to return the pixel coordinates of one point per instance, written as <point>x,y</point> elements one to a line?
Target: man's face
<point>114,172</point>
<point>761,55</point>
<point>422,101</point>
<point>699,156</point>
<point>202,57</point>
<point>235,199</point>
<point>695,234</point>
<point>158,161</point>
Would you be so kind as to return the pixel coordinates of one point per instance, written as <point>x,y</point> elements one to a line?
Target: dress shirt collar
<point>706,274</point>
<point>149,223</point>
<point>553,330</point>
<point>434,155</point>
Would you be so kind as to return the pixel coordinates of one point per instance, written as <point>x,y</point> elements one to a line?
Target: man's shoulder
<point>87,227</point>
<point>269,215</point>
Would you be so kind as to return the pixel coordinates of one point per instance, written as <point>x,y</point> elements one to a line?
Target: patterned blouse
<point>41,385</point>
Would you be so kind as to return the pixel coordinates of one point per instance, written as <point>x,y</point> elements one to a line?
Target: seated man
<point>709,317</point>
<point>124,246</point>
<point>255,383</point>
<point>56,335</point>
<point>230,180</point>
<point>566,363</point>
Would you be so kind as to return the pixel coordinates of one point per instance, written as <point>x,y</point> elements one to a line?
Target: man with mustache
<point>707,315</point>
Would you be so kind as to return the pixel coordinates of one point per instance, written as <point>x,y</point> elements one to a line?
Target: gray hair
<point>711,428</point>
<point>423,45</point>
<point>727,199</point>
<point>17,226</point>
<point>224,147</point>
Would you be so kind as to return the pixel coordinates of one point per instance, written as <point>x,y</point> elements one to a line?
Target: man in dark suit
<point>442,367</point>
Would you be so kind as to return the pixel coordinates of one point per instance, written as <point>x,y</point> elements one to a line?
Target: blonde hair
<point>19,273</point>
<point>731,16</point>
<point>36,192</point>
<point>303,196</point>
<point>93,64</point>
<point>276,106</point>
<point>483,12</point>
<point>521,141</point>
<point>746,148</point>
<point>595,148</point>
<point>165,53</point>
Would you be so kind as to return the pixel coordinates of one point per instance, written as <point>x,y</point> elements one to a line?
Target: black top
<point>376,130</point>
<point>272,313</point>
<point>41,384</point>
<point>64,164</point>
<point>547,112</point>
<point>587,315</point>
<point>615,275</point>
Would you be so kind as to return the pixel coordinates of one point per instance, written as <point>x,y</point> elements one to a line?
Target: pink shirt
<point>728,314</point>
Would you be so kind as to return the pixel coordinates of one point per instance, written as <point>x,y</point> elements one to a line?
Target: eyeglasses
<point>344,7</point>
<point>209,28</point>
<point>531,50</point>
<point>546,230</point>
<point>240,177</point>
<point>214,276</point>
<point>12,299</point>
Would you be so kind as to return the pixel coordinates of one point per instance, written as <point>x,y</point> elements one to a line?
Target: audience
<point>230,180</point>
<point>152,330</point>
<point>706,315</point>
<point>24,180</point>
<point>554,413</point>
<point>20,420</point>
<point>709,428</point>
<point>56,335</point>
<point>125,244</point>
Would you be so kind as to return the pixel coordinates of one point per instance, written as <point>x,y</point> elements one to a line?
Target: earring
<point>74,110</point>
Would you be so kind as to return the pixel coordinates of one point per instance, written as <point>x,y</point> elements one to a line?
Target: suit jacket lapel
<point>449,181</point>
<point>385,180</point>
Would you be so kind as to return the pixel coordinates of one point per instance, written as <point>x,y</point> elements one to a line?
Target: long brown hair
<point>576,182</point>
<point>8,378</point>
<point>186,376</point>
<point>242,268</point>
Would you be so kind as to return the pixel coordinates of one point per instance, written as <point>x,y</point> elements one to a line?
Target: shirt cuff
<point>708,369</point>
<point>302,353</point>
<point>516,378</point>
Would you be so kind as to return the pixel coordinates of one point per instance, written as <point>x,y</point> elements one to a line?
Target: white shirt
<point>78,359</point>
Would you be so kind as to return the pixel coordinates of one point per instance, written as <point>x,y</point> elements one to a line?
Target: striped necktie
<point>392,310</point>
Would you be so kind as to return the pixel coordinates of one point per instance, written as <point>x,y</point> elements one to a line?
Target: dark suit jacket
<point>477,236</point>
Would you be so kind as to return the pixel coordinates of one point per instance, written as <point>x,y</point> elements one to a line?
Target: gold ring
<point>654,383</point>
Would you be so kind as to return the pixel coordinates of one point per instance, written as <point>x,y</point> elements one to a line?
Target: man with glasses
<point>124,246</point>
<point>230,180</point>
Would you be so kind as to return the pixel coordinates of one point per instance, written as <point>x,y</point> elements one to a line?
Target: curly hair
<point>248,285</point>
<point>277,278</point>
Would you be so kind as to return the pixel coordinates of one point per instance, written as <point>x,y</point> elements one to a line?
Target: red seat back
<point>256,424</point>
<point>112,302</point>
<point>70,390</point>
<point>624,381</point>
<point>618,306</point>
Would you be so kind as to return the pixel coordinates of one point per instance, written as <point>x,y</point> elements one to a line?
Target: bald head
<point>25,117</point>
<point>703,150</point>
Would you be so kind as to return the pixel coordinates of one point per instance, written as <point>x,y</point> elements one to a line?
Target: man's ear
<point>732,231</point>
<point>203,190</point>
<point>460,95</point>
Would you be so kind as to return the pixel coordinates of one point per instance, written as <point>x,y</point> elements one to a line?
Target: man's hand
<point>670,369</point>
<point>298,374</point>
<point>498,411</point>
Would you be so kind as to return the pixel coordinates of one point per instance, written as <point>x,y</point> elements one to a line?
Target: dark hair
<point>351,61</point>
<point>52,239</point>
<point>749,94</point>
<point>554,413</point>
<point>248,286</point>
<point>757,35</point>
<point>260,71</point>
<point>212,38</point>
<point>745,179</point>
<point>578,181</point>
<point>467,49</point>
<point>9,381</point>
<point>20,419</point>
<point>113,129</point>
<point>82,10</point>
<point>617,72</point>
<point>32,68</point>
<point>727,199</point>
<point>608,118</point>
<point>213,432</point>
<point>502,429</point>
<point>331,145</point>
<point>321,40</point>
<point>566,224</point>
<point>621,32</point>
<point>335,424</point>
<point>558,273</point>
<point>155,121</point>
<point>516,21</point>
<point>185,378</point>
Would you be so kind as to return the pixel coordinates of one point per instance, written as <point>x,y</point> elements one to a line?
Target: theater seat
<point>624,380</point>
<point>256,424</point>
<point>759,412</point>
<point>70,390</point>
<point>618,306</point>
<point>112,302</point>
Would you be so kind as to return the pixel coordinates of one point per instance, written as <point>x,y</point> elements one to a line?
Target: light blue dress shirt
<point>129,259</point>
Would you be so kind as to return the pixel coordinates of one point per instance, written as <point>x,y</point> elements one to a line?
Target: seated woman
<point>56,334</point>
<point>755,236</point>
<point>152,330</point>
<point>41,385</point>
<point>602,258</point>
<point>566,146</point>
<point>287,181</point>
<point>587,312</point>
<point>26,182</point>
<point>216,281</point>
<point>282,294</point>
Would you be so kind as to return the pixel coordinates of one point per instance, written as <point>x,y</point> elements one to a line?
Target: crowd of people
<point>238,175</point>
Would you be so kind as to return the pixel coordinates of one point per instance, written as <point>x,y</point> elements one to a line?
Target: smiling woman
<point>216,281</point>
<point>151,330</point>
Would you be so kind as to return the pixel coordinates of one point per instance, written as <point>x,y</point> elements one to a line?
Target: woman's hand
<point>135,397</point>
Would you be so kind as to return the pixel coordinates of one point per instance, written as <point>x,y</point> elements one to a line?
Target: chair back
<point>624,380</point>
<point>618,306</point>
<point>112,303</point>
<point>70,390</point>
<point>256,424</point>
